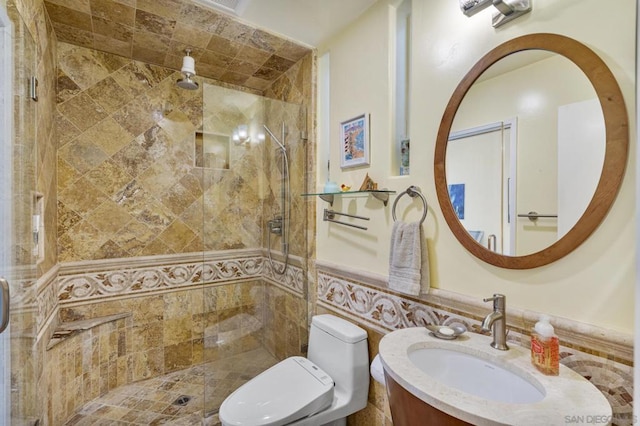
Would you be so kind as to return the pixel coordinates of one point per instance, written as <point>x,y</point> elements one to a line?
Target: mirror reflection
<point>525,152</point>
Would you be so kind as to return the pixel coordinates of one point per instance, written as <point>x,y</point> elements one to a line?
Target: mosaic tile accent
<point>614,380</point>
<point>387,312</point>
<point>158,32</point>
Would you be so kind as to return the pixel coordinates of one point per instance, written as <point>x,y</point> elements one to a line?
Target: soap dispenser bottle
<point>545,348</point>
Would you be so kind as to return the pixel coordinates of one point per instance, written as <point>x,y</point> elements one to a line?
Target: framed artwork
<point>405,155</point>
<point>354,137</point>
<point>456,194</point>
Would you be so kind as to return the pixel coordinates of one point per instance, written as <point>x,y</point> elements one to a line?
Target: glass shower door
<point>20,363</point>
<point>260,317</point>
<point>5,209</point>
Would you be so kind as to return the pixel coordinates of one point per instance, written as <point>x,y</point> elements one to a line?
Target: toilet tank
<point>340,349</point>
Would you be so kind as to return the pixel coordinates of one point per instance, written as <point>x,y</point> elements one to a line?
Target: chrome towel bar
<point>533,216</point>
<point>329,216</point>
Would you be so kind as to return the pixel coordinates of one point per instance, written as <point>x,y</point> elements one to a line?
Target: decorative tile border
<point>584,337</point>
<point>292,279</point>
<point>23,287</point>
<point>47,299</point>
<point>94,280</point>
<point>386,311</point>
<point>92,285</point>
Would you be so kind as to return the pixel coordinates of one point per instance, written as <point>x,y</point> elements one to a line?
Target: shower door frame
<point>267,186</point>
<point>509,174</point>
<point>6,136</point>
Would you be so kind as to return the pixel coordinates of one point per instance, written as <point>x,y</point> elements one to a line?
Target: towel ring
<point>411,191</point>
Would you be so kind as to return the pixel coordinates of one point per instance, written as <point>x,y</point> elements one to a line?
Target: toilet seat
<point>290,390</point>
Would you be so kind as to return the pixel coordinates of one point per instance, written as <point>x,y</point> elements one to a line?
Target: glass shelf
<point>380,194</point>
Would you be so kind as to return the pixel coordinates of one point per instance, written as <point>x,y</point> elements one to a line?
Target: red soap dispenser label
<point>536,347</point>
<point>545,355</point>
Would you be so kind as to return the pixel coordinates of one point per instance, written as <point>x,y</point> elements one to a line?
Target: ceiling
<point>308,21</point>
<point>252,51</point>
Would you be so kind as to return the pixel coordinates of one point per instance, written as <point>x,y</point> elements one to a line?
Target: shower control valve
<point>275,225</point>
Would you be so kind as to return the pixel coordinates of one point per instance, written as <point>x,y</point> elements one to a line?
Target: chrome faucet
<point>496,322</point>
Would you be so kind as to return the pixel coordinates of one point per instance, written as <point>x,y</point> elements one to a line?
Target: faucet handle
<point>499,301</point>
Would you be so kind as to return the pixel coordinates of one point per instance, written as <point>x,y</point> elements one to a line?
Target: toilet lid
<point>290,390</point>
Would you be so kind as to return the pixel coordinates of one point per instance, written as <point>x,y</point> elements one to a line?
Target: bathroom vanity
<point>466,381</point>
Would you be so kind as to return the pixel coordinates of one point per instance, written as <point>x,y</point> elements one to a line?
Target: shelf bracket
<point>328,198</point>
<point>382,196</point>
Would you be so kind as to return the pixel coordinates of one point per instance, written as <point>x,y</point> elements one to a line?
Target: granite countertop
<point>567,396</point>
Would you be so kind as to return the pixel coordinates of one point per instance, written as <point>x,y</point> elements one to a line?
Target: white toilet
<point>322,389</point>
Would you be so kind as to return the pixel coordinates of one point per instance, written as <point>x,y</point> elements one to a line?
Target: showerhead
<point>189,70</point>
<point>187,83</point>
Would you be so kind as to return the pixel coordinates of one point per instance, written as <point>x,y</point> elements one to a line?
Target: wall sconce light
<point>508,10</point>
<point>471,7</point>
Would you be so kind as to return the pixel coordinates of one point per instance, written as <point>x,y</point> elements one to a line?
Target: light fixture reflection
<point>242,135</point>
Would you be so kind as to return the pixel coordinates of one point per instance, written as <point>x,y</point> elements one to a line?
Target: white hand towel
<point>408,259</point>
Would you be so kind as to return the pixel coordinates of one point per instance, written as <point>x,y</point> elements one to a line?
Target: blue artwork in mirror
<point>456,195</point>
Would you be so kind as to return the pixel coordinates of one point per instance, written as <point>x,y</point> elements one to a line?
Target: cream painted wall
<point>595,283</point>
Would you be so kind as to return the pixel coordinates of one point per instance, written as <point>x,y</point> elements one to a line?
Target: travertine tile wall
<point>168,331</point>
<point>97,98</point>
<point>35,136</point>
<point>158,32</point>
<point>128,187</point>
<point>285,332</point>
<point>97,288</point>
<point>125,157</point>
<point>127,181</point>
<point>83,367</point>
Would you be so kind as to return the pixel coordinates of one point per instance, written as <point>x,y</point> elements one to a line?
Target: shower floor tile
<point>179,398</point>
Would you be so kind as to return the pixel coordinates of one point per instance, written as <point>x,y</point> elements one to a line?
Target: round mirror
<point>531,151</point>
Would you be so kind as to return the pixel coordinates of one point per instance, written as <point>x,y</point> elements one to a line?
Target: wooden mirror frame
<point>615,159</point>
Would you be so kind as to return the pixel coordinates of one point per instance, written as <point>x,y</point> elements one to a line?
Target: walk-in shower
<point>212,316</point>
<point>280,224</point>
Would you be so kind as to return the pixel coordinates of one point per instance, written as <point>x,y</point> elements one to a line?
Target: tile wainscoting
<point>184,310</point>
<point>603,357</point>
<point>165,295</point>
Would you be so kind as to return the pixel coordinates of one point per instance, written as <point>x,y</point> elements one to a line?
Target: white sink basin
<point>474,375</point>
<point>468,379</point>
